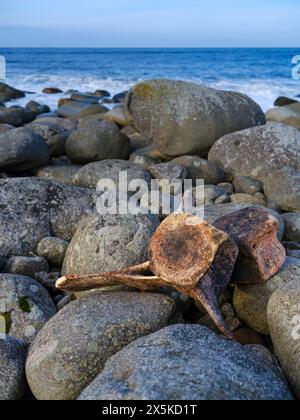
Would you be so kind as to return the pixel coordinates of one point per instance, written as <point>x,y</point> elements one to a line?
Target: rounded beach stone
<point>247,185</point>
<point>189,362</point>
<point>60,173</point>
<point>21,149</point>
<point>251,301</point>
<point>75,345</point>
<point>7,93</point>
<point>109,242</point>
<point>16,116</point>
<point>89,175</point>
<point>185,118</point>
<point>259,152</point>
<point>25,306</point>
<point>91,145</point>
<point>26,266</point>
<point>34,208</point>
<point>248,199</point>
<point>292,226</point>
<point>284,323</point>
<point>12,372</point>
<point>53,250</point>
<point>200,169</point>
<point>282,189</point>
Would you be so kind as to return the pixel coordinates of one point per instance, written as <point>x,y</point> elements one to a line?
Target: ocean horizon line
<point>151,48</point>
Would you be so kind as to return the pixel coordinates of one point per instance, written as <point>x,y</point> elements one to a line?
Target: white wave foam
<point>264,92</point>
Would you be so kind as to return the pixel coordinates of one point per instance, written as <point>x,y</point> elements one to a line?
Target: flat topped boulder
<point>185,118</point>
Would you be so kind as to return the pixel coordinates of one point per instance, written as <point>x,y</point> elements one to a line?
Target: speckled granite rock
<point>189,362</point>
<point>74,346</point>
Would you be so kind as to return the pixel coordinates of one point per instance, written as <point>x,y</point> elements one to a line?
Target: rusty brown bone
<point>261,255</point>
<point>186,253</point>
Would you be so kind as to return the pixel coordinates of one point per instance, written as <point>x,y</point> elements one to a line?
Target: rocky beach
<point>209,311</point>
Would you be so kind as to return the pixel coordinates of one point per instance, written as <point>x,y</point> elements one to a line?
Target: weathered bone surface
<point>192,256</point>
<point>261,255</point>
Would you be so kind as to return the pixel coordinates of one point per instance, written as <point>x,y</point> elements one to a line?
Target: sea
<point>263,74</point>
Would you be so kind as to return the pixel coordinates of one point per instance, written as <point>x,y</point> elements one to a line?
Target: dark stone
<point>21,149</point>
<point>119,97</point>
<point>52,91</point>
<point>91,145</point>
<point>8,93</point>
<point>283,100</point>
<point>37,108</point>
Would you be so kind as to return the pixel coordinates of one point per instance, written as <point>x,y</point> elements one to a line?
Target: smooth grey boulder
<point>89,175</point>
<point>54,135</point>
<point>67,207</point>
<point>92,122</point>
<point>25,306</point>
<point>37,108</point>
<point>59,173</point>
<point>212,193</point>
<point>292,226</point>
<point>199,168</point>
<point>118,116</point>
<point>12,372</point>
<point>288,114</point>
<point>75,109</point>
<point>109,242</point>
<point>32,209</point>
<point>53,250</point>
<point>189,362</point>
<point>16,116</point>
<point>83,97</point>
<point>257,199</point>
<point>8,93</point>
<point>251,301</point>
<point>21,149</point>
<point>284,323</point>
<point>26,266</point>
<point>23,215</point>
<point>91,145</point>
<point>169,170</point>
<point>74,345</point>
<point>5,127</point>
<point>63,123</point>
<point>168,177</point>
<point>259,152</point>
<point>187,119</point>
<point>282,189</point>
<point>247,185</point>
<point>11,116</point>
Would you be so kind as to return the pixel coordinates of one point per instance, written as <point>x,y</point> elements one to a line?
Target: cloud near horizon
<point>149,23</point>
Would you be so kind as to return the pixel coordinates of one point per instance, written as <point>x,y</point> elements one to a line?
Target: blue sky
<point>149,23</point>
